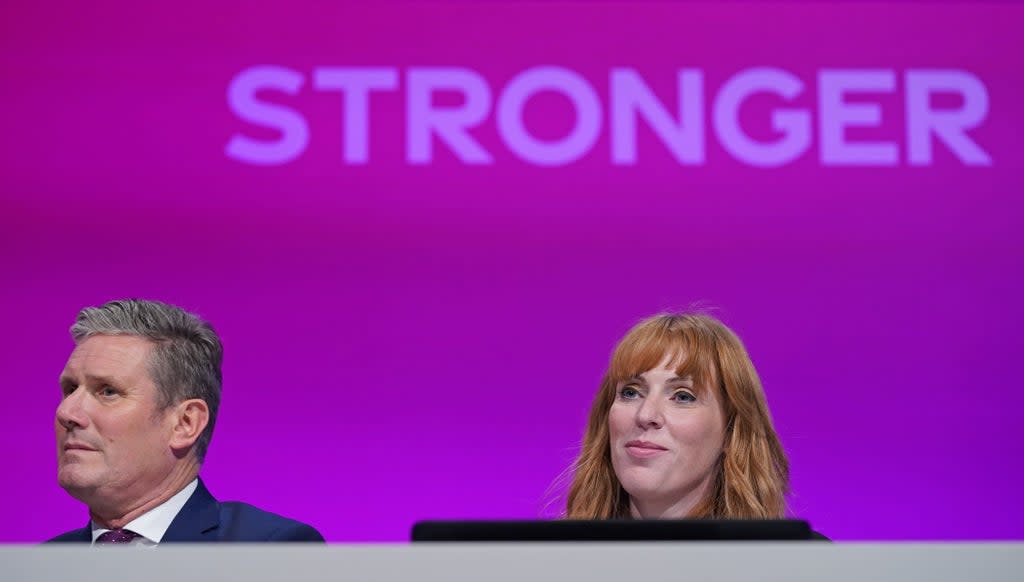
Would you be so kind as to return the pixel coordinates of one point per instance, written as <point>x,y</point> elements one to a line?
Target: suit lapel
<point>197,521</point>
<point>86,534</point>
<point>78,535</point>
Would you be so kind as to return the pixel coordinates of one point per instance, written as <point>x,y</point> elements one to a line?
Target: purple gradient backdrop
<point>408,342</point>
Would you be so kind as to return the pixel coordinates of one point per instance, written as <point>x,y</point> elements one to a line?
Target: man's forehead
<point>109,354</point>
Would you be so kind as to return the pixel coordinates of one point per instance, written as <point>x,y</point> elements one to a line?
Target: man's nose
<point>649,415</point>
<point>70,413</point>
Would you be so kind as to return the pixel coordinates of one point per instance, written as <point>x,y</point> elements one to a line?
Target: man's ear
<point>190,417</point>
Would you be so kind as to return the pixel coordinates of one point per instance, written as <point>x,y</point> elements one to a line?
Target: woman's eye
<point>629,392</point>
<point>684,397</point>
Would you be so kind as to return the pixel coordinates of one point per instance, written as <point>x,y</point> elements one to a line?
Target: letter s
<point>243,102</point>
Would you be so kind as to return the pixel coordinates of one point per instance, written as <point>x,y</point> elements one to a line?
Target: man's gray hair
<point>185,362</point>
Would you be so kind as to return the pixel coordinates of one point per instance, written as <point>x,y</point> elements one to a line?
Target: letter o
<point>549,153</point>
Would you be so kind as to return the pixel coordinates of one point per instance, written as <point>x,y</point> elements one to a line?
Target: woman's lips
<point>644,449</point>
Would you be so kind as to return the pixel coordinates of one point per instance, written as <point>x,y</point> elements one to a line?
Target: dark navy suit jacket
<point>204,519</point>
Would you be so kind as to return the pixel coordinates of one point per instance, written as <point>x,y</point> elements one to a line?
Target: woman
<point>679,429</point>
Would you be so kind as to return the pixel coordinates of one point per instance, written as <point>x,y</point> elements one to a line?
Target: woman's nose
<point>649,415</point>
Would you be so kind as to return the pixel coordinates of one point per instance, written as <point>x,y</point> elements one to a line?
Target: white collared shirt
<point>153,524</point>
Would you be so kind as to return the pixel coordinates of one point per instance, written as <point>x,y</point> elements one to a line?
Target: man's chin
<point>76,482</point>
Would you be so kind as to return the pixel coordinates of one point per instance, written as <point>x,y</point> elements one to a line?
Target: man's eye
<point>684,397</point>
<point>629,392</point>
<point>108,391</point>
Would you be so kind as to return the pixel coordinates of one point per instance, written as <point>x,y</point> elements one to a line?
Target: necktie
<point>117,536</point>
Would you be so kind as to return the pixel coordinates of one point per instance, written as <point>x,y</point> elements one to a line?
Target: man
<point>140,396</point>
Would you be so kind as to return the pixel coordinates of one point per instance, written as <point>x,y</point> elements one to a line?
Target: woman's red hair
<point>752,475</point>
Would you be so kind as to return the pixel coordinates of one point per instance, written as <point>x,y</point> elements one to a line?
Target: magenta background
<point>423,342</point>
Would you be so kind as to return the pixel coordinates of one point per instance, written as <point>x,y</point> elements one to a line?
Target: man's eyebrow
<point>100,379</point>
<point>66,380</point>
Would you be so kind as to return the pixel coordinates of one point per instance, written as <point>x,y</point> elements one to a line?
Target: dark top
<point>204,519</point>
